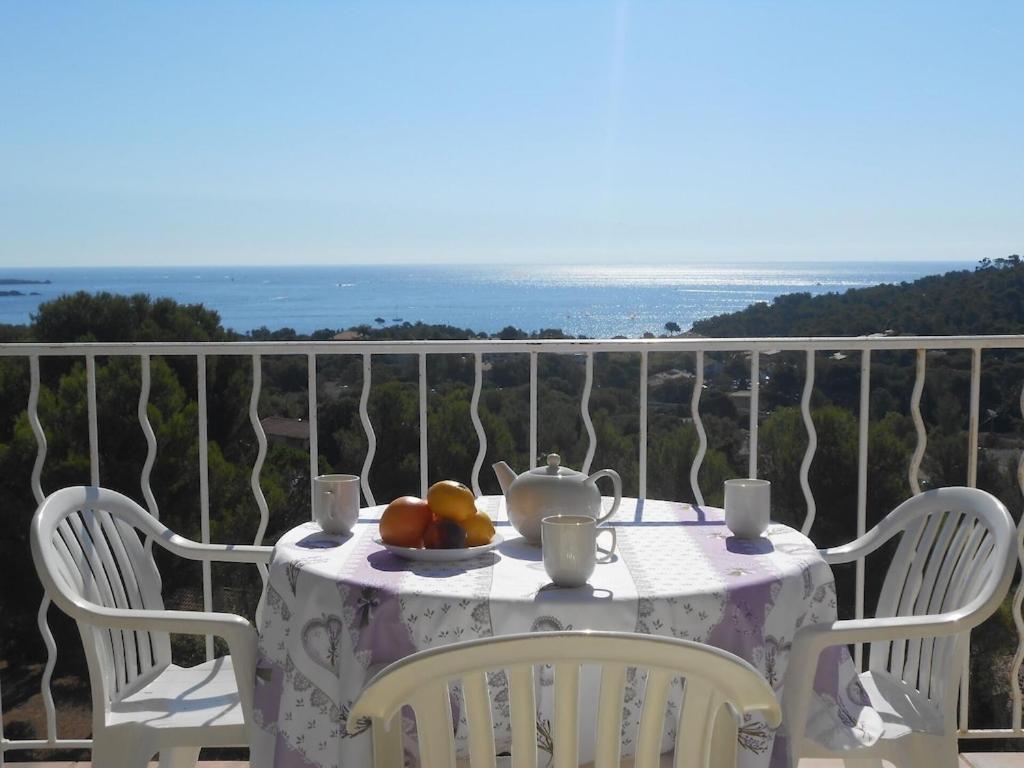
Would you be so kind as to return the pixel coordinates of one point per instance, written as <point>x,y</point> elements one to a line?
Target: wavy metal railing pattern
<point>699,346</point>
<point>257,469</point>
<point>474,414</point>
<point>702,436</point>
<point>261,452</point>
<point>914,471</point>
<point>812,444</point>
<point>588,386</point>
<point>371,437</point>
<point>1018,599</point>
<point>147,430</point>
<point>45,689</point>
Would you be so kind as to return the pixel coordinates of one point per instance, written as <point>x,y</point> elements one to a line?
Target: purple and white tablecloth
<point>339,608</point>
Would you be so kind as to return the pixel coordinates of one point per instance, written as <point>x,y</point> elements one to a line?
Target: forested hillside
<point>988,300</point>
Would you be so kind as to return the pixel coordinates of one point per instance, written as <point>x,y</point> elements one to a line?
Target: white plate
<point>441,555</point>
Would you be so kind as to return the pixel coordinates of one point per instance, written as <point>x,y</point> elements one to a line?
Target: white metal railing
<point>809,346</point>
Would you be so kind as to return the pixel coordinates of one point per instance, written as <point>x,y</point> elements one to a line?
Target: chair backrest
<point>713,679</point>
<point>86,550</point>
<point>957,554</point>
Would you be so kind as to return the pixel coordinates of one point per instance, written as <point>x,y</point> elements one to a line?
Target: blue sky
<point>571,132</point>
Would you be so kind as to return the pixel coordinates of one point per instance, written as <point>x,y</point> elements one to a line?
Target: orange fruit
<point>451,501</point>
<point>405,521</point>
<point>479,530</point>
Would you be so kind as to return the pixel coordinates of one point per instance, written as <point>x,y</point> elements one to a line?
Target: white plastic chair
<point>714,679</point>
<point>951,570</point>
<point>89,556</point>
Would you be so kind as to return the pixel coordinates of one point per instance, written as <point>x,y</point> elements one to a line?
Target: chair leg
<point>119,753</point>
<point>179,757</point>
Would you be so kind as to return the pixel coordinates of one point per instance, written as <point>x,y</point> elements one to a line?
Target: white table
<point>339,608</point>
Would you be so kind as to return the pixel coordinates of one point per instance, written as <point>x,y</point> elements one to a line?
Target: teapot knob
<point>554,460</point>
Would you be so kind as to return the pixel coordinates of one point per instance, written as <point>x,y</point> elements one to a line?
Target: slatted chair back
<point>713,679</point>
<point>955,552</point>
<point>86,547</point>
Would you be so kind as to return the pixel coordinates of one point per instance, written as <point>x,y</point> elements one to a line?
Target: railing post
<point>755,393</point>
<point>94,432</point>
<point>533,409</point>
<point>975,414</point>
<point>314,434</point>
<point>424,465</point>
<point>204,489</point>
<point>863,418</point>
<point>643,425</point>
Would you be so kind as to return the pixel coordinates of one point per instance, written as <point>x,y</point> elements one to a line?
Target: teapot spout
<point>505,475</point>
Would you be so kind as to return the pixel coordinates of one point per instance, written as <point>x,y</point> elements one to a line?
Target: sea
<point>592,301</point>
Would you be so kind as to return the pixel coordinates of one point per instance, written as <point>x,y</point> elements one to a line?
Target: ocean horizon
<point>594,301</point>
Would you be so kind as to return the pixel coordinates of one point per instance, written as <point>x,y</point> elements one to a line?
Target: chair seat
<point>902,708</point>
<point>203,697</point>
<point>896,710</point>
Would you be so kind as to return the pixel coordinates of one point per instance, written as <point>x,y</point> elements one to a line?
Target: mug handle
<point>616,486</point>
<point>609,554</point>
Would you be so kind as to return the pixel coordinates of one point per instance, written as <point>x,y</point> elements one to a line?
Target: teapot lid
<point>554,468</point>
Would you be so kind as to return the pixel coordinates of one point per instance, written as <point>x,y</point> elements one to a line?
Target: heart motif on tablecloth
<point>321,639</point>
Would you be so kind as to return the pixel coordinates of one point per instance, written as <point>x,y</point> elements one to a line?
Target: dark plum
<point>444,534</point>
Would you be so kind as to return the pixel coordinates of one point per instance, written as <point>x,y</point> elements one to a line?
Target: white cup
<point>570,548</point>
<point>336,502</point>
<point>747,507</point>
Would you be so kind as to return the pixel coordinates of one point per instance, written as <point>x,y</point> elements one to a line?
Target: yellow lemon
<point>479,530</point>
<point>451,501</point>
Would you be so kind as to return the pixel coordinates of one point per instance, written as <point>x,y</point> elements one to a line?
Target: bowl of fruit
<point>443,527</point>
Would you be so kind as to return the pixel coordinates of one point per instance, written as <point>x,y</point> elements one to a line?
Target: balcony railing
<point>809,348</point>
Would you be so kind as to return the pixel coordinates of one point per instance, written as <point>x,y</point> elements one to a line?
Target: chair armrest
<point>816,637</point>
<point>237,631</point>
<point>860,547</point>
<point>225,553</point>
<point>226,625</point>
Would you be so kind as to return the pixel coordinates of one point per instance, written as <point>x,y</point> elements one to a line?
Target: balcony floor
<point>967,760</point>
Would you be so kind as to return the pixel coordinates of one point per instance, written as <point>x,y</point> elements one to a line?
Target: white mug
<point>336,502</point>
<point>747,507</point>
<point>569,547</point>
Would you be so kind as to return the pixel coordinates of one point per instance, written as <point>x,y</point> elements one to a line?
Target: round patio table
<point>339,608</point>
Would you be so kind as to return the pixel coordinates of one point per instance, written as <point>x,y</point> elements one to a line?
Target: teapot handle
<point>616,484</point>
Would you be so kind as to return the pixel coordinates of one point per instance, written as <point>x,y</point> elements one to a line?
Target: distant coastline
<point>592,301</point>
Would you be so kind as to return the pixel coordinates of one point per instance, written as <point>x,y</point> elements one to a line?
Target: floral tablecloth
<point>339,608</point>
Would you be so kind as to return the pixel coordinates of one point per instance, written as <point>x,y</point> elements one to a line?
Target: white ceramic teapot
<point>552,490</point>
